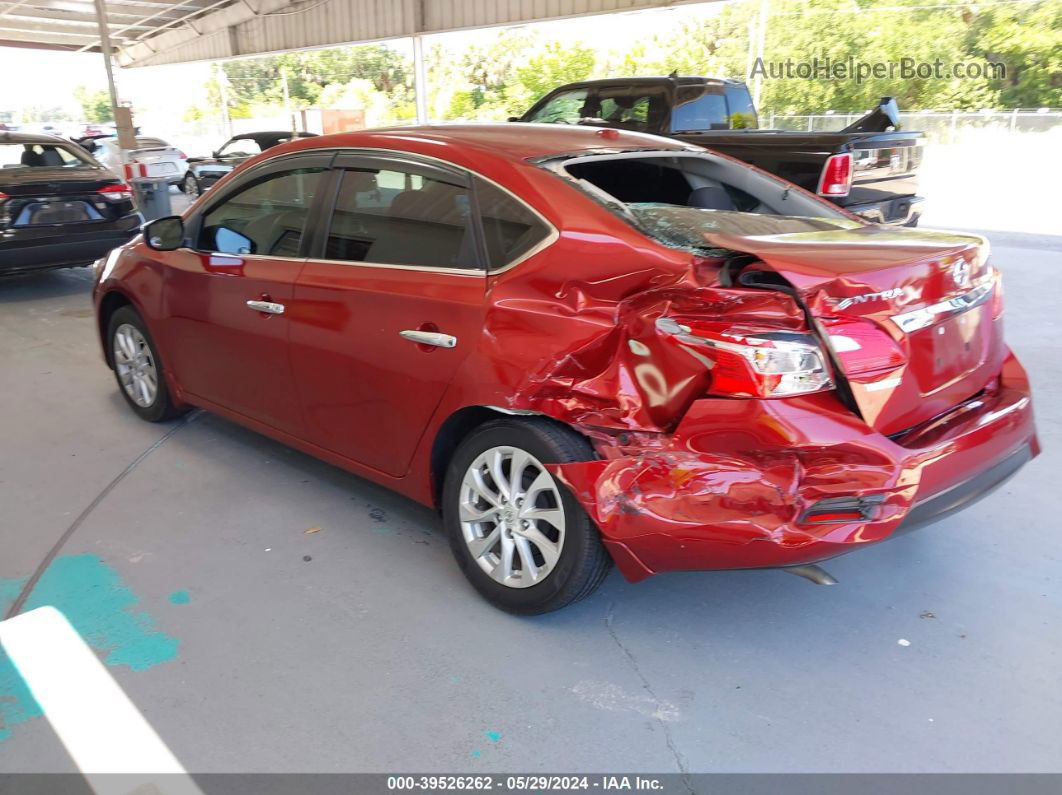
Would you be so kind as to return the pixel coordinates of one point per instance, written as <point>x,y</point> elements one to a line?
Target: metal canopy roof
<point>71,24</point>
<point>150,32</point>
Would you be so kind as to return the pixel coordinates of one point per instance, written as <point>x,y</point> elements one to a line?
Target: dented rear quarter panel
<point>687,482</point>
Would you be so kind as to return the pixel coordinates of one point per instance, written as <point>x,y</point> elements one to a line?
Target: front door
<point>387,309</point>
<point>227,298</point>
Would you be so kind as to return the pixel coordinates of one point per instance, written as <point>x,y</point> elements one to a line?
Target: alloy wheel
<point>135,365</point>
<point>511,516</point>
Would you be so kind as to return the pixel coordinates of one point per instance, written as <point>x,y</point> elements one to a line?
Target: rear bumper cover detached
<point>737,484</point>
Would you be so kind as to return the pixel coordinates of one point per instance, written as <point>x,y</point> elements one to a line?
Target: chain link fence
<point>940,127</point>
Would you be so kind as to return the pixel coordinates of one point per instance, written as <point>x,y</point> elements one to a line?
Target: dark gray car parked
<point>59,207</point>
<point>203,172</point>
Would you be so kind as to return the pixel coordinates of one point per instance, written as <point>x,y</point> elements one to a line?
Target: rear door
<point>387,308</point>
<point>227,297</point>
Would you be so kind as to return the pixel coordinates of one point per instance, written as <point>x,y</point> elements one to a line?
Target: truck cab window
<point>699,108</point>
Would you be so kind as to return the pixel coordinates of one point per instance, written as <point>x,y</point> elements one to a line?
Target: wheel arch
<point>110,303</point>
<point>457,427</point>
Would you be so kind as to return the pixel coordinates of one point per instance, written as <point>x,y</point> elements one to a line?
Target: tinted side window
<point>393,217</point>
<point>509,228</point>
<point>565,108</point>
<point>267,217</point>
<point>742,111</point>
<point>628,107</point>
<point>699,108</point>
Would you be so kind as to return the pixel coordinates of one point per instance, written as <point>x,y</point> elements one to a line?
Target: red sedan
<point>582,346</point>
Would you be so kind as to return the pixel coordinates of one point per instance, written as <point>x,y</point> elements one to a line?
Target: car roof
<point>268,134</point>
<point>681,80</point>
<point>7,137</point>
<point>510,141</point>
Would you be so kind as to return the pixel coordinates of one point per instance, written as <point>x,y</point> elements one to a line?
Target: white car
<point>161,159</point>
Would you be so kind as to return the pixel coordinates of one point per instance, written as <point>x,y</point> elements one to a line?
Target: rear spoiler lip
<point>796,260</point>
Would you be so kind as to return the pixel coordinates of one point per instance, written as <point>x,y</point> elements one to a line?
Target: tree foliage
<point>260,81</point>
<point>503,77</point>
<point>95,105</point>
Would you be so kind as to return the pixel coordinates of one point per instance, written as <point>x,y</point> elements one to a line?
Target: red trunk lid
<point>911,316</point>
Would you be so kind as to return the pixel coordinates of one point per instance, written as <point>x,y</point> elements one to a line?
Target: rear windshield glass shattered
<point>687,227</point>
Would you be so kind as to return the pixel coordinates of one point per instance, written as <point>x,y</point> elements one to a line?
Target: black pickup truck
<point>869,168</point>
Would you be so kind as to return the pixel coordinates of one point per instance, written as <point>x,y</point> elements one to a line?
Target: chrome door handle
<point>429,338</point>
<point>268,307</point>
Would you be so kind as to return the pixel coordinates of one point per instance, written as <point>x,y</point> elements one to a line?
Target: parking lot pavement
<point>254,645</point>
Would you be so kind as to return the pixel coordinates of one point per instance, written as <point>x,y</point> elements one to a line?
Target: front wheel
<point>519,537</point>
<point>138,368</point>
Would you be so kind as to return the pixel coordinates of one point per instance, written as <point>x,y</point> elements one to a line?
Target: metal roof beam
<point>49,9</point>
<point>19,31</point>
<point>182,4</point>
<point>35,44</point>
<point>285,25</point>
<point>46,18</point>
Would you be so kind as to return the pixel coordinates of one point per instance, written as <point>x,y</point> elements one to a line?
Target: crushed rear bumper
<point>737,484</point>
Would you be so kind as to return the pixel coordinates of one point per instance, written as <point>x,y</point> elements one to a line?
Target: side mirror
<point>164,234</point>
<point>216,153</point>
<point>514,118</point>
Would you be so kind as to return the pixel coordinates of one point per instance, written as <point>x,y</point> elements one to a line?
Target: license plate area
<point>951,348</point>
<point>50,213</point>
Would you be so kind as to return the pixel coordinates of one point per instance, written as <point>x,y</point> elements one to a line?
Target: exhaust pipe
<point>816,574</point>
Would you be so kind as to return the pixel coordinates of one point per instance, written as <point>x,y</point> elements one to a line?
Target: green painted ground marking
<point>104,612</point>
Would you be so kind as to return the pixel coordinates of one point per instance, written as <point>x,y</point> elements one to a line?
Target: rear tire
<point>529,549</point>
<point>190,185</point>
<point>138,368</point>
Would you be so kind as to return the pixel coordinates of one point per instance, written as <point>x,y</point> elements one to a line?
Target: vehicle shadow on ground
<point>23,288</point>
<point>728,601</point>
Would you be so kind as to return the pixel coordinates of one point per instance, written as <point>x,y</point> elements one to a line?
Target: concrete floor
<point>361,648</point>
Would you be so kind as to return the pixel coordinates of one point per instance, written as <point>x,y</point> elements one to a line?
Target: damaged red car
<point>582,346</point>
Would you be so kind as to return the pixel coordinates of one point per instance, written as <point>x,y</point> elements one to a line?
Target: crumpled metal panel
<point>689,482</point>
<point>615,369</point>
<point>729,489</point>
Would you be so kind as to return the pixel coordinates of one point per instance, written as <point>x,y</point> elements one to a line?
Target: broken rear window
<point>687,227</point>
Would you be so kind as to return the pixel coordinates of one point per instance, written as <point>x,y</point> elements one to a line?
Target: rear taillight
<point>116,193</point>
<point>836,178</point>
<point>749,362</point>
<point>182,155</point>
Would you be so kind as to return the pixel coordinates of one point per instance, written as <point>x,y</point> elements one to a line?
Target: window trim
<point>447,167</point>
<point>344,162</point>
<point>324,208</point>
<point>279,163</point>
<point>547,240</point>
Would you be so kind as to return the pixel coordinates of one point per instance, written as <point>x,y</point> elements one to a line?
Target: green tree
<point>555,65</point>
<point>95,105</point>
<point>1028,41</point>
<point>260,80</point>
<point>44,113</point>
